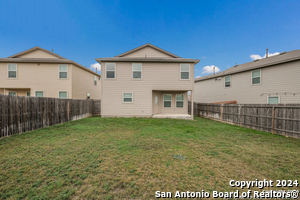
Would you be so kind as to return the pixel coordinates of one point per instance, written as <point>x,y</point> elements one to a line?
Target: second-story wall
<point>83,83</point>
<point>155,77</point>
<point>37,77</point>
<point>279,80</point>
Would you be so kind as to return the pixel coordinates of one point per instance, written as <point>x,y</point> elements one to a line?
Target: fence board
<point>277,118</point>
<point>21,114</point>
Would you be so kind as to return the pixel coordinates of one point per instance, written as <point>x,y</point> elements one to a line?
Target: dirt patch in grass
<point>132,158</point>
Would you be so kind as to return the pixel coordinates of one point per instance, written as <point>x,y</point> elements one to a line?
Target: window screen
<point>63,71</point>
<point>167,100</point>
<point>136,70</point>
<point>127,97</point>
<point>12,70</point>
<point>184,71</point>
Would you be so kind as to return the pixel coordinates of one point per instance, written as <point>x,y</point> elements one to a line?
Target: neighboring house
<point>270,80</point>
<point>146,81</point>
<point>41,73</point>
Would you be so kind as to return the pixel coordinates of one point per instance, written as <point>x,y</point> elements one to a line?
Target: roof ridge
<point>145,45</point>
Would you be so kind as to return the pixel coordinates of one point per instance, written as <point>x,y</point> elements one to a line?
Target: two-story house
<point>146,81</point>
<point>270,80</point>
<point>41,73</point>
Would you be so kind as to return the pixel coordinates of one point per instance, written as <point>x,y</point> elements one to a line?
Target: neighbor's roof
<point>120,58</point>
<point>33,49</point>
<point>59,60</point>
<point>265,62</point>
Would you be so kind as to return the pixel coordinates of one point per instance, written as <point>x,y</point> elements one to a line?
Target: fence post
<point>207,111</point>
<point>239,116</point>
<point>273,120</point>
<point>221,112</point>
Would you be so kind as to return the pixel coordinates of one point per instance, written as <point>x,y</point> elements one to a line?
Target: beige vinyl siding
<point>155,77</point>
<point>280,79</point>
<point>37,77</point>
<point>83,83</point>
<point>148,52</point>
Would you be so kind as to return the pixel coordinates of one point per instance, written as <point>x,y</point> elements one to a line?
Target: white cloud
<point>210,69</point>
<point>96,66</point>
<point>255,56</point>
<point>198,76</point>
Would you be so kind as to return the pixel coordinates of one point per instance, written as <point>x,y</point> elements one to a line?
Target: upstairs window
<point>12,70</point>
<point>137,70</point>
<point>227,81</point>
<point>185,71</point>
<point>179,100</point>
<point>127,97</point>
<point>256,75</point>
<point>110,70</point>
<point>63,71</point>
<point>39,93</point>
<point>273,100</point>
<point>63,95</point>
<point>167,100</point>
<point>95,80</point>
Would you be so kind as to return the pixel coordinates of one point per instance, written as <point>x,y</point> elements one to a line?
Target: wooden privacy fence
<point>20,114</point>
<point>281,119</point>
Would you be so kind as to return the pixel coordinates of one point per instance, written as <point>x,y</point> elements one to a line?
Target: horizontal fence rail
<point>20,114</point>
<point>281,119</point>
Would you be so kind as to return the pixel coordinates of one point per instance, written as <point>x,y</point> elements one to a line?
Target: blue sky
<point>219,33</point>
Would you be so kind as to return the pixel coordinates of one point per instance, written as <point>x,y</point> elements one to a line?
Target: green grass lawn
<point>132,158</point>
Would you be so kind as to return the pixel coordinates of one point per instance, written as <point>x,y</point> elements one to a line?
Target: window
<point>167,100</point>
<point>12,70</point>
<point>39,93</point>
<point>12,93</point>
<point>156,100</point>
<point>179,100</point>
<point>110,70</point>
<point>127,97</point>
<point>95,80</point>
<point>256,77</point>
<point>227,81</point>
<point>273,100</point>
<point>63,95</point>
<point>28,94</point>
<point>63,71</point>
<point>136,70</point>
<point>184,71</point>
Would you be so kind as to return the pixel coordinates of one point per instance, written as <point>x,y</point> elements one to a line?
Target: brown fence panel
<point>21,114</point>
<point>281,119</point>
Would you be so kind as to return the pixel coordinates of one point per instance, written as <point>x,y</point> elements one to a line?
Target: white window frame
<point>167,100</point>
<point>179,100</point>
<point>137,71</point>
<point>39,91</point>
<point>127,97</point>
<point>273,96</point>
<point>62,91</point>
<point>110,70</point>
<point>228,81</point>
<point>256,77</point>
<point>27,94</point>
<point>66,71</point>
<point>189,71</point>
<point>95,80</point>
<point>12,70</point>
<point>14,92</point>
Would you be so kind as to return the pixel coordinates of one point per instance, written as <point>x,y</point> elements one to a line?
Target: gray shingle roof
<point>148,59</point>
<point>265,62</point>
